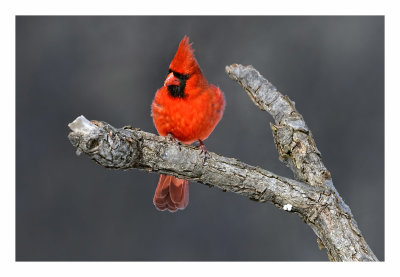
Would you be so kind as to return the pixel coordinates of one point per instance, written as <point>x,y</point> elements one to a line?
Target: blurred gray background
<point>109,68</point>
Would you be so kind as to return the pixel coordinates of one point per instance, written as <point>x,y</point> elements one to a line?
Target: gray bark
<point>311,195</point>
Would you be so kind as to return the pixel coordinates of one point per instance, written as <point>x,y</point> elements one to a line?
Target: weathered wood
<point>333,223</point>
<point>312,195</point>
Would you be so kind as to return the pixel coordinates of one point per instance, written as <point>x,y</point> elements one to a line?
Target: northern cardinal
<point>187,108</point>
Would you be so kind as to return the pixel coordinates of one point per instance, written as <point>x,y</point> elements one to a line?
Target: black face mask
<point>178,91</point>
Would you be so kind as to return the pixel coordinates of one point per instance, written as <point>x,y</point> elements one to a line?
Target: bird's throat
<point>177,91</point>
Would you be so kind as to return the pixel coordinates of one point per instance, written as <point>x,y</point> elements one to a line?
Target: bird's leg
<point>203,150</point>
<point>172,138</point>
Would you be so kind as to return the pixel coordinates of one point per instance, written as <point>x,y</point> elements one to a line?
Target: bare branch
<point>297,149</point>
<point>312,196</point>
<point>292,137</point>
<point>132,148</point>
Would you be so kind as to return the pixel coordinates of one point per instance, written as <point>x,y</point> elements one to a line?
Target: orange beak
<point>171,80</point>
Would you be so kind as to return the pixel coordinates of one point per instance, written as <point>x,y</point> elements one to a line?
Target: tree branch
<point>312,195</point>
<point>334,224</point>
<point>129,147</point>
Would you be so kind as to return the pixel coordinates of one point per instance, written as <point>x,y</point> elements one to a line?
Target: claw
<point>171,137</point>
<point>203,150</point>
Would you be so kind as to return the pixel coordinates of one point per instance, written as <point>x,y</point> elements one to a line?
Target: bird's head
<point>184,72</point>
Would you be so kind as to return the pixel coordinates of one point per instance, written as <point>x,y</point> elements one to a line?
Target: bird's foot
<point>172,138</point>
<point>203,150</point>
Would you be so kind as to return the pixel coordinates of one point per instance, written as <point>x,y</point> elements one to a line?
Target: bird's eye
<point>179,75</point>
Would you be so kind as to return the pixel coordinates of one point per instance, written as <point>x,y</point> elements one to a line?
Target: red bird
<point>188,108</point>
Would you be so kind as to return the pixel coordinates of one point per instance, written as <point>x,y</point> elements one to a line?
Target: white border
<point>392,47</point>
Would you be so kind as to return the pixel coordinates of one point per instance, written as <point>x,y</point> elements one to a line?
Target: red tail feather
<point>171,193</point>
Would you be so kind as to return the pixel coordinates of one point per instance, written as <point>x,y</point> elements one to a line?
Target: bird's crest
<point>184,61</point>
